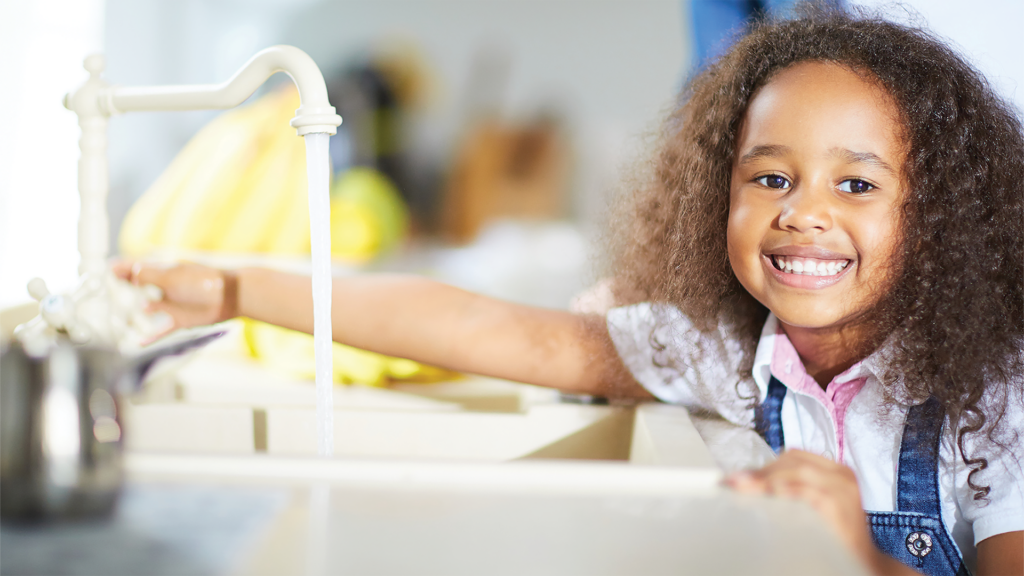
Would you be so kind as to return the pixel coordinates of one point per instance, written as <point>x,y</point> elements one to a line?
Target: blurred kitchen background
<point>472,111</point>
<point>482,139</point>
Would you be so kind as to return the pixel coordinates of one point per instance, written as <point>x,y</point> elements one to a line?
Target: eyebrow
<point>849,156</point>
<point>765,151</point>
<point>852,157</point>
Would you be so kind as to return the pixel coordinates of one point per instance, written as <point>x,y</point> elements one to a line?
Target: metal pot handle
<point>136,367</point>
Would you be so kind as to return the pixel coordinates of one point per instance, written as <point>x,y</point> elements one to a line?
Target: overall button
<point>919,544</point>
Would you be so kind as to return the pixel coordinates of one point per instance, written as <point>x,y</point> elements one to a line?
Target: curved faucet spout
<point>315,113</point>
<point>102,308</point>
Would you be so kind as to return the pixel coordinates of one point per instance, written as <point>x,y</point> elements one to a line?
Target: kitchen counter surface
<point>271,515</point>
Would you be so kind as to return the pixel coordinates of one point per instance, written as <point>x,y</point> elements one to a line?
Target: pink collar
<point>787,367</point>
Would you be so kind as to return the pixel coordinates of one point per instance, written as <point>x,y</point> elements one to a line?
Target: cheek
<point>743,245</point>
<point>884,257</point>
<point>733,236</point>
<point>878,236</point>
<point>731,250</point>
<point>879,247</point>
<point>742,233</point>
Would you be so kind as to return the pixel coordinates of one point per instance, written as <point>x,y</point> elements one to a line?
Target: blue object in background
<point>717,23</point>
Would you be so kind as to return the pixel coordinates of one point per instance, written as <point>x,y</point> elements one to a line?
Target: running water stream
<point>318,174</point>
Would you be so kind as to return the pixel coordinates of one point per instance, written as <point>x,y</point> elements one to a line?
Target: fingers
<point>138,272</point>
<point>797,466</point>
<point>143,273</point>
<point>795,474</point>
<point>190,294</point>
<point>180,316</point>
<point>122,269</point>
<point>829,487</point>
<point>181,283</point>
<point>787,468</point>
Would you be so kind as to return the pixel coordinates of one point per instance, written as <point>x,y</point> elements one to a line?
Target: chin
<point>806,323</point>
<point>808,316</point>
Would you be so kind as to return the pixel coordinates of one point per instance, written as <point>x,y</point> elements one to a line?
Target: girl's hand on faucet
<point>193,295</point>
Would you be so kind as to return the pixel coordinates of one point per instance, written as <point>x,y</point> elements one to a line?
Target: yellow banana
<point>291,352</point>
<point>269,186</point>
<point>163,216</point>
<point>288,233</point>
<point>146,219</point>
<point>204,200</point>
<point>240,186</point>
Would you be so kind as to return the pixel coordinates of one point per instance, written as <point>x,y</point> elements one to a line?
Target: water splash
<point>318,174</point>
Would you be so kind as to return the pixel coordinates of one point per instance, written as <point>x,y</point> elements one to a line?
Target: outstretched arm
<point>420,319</point>
<point>409,317</point>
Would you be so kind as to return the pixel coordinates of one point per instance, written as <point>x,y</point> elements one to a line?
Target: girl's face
<point>816,187</point>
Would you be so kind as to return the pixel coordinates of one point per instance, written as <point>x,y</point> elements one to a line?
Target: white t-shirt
<point>847,422</point>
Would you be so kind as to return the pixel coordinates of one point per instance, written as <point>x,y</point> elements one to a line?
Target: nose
<point>805,210</point>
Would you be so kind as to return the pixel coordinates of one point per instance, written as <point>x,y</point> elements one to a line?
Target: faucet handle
<point>95,64</point>
<point>37,289</point>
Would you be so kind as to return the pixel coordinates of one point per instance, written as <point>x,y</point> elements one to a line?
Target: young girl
<point>830,250</point>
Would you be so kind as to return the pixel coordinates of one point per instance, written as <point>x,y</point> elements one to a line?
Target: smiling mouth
<point>809,266</point>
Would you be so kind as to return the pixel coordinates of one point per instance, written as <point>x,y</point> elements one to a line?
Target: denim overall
<point>914,534</point>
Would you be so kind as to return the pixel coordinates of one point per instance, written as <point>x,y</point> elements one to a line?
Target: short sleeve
<point>1002,509</point>
<point>679,364</point>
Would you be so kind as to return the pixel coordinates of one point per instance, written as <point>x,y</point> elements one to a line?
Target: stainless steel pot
<point>60,429</point>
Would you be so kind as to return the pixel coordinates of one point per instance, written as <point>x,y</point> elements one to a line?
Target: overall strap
<point>768,417</point>
<point>918,472</point>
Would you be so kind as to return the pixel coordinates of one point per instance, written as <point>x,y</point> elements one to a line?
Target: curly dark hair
<point>954,314</point>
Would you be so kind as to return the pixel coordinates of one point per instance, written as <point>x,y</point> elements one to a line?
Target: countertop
<point>263,514</point>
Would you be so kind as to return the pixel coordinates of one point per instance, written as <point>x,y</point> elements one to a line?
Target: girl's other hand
<point>193,295</point>
<point>830,488</point>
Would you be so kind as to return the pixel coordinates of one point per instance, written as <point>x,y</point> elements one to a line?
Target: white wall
<point>986,32</point>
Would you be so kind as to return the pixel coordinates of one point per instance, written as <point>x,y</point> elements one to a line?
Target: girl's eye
<point>773,181</point>
<point>855,186</point>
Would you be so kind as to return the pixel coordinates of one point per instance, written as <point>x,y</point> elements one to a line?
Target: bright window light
<point>43,43</point>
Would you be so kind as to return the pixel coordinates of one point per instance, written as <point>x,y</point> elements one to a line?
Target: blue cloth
<point>769,416</point>
<point>717,23</point>
<point>914,534</point>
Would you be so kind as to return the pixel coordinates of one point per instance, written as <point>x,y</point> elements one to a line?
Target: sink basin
<point>215,403</point>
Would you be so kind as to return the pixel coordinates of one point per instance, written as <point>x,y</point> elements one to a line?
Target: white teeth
<point>809,266</point>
